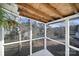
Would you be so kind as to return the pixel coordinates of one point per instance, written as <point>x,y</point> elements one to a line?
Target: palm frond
<point>7,23</point>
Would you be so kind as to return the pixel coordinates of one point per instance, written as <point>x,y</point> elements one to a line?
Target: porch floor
<point>43,52</point>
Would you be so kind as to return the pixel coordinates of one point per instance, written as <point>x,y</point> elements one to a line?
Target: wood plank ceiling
<point>47,12</point>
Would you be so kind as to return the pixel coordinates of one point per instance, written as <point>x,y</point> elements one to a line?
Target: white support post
<point>2,41</point>
<point>45,46</point>
<point>30,37</point>
<point>67,37</point>
<point>20,43</point>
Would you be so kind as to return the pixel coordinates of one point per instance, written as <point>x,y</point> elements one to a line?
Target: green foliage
<point>1,13</point>
<point>2,21</point>
<point>6,23</point>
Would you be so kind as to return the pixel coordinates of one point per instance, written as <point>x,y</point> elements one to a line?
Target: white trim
<point>20,43</point>
<point>45,44</point>
<point>56,41</point>
<point>67,37</point>
<point>30,38</point>
<point>11,43</point>
<point>16,42</point>
<point>3,41</point>
<point>55,21</point>
<point>38,38</point>
<point>25,41</point>
<point>74,48</point>
<point>62,19</point>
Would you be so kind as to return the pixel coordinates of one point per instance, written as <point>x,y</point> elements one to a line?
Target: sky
<point>57,25</point>
<point>74,21</point>
<point>23,20</point>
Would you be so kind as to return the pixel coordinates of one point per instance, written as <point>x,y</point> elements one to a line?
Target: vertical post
<point>67,37</point>
<point>2,40</point>
<point>45,38</point>
<point>30,37</point>
<point>20,39</point>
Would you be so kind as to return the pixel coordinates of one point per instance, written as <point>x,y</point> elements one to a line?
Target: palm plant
<point>5,22</point>
<point>2,21</point>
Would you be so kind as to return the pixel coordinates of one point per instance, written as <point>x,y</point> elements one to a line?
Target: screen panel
<point>25,50</point>
<point>25,28</point>
<point>11,35</point>
<point>56,31</point>
<point>11,31</point>
<point>37,29</point>
<point>37,45</point>
<point>12,50</point>
<point>55,48</point>
<point>74,32</point>
<point>73,52</point>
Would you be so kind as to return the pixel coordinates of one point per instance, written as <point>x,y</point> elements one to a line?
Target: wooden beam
<point>74,7</point>
<point>53,9</point>
<point>64,9</point>
<point>40,12</point>
<point>46,9</point>
<point>35,11</point>
<point>77,6</point>
<point>32,16</point>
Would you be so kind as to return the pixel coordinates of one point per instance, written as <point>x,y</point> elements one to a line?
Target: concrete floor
<point>43,52</point>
